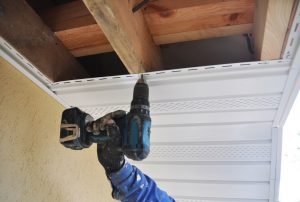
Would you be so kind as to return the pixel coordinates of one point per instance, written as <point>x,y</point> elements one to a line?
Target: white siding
<point>212,126</point>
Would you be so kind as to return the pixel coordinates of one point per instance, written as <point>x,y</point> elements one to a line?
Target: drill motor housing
<point>136,139</point>
<point>134,127</point>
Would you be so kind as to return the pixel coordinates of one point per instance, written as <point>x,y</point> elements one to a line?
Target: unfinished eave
<point>231,115</point>
<point>168,22</point>
<point>91,27</point>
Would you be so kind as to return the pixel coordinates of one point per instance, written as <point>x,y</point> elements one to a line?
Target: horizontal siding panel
<point>226,190</point>
<point>181,89</point>
<point>208,172</point>
<point>238,152</point>
<point>220,104</point>
<point>216,88</point>
<point>213,118</point>
<point>234,132</point>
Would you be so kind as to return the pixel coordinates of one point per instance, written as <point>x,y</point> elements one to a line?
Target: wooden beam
<point>170,21</point>
<point>163,17</point>
<point>203,34</point>
<point>270,27</point>
<point>24,30</point>
<point>202,23</point>
<point>127,33</point>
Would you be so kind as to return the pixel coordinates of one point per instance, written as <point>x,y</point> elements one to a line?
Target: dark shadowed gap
<point>221,50</point>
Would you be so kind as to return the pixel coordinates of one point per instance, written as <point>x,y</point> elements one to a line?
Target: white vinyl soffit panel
<point>212,136</point>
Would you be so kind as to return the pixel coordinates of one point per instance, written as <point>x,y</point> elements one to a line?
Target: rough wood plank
<point>127,33</point>
<point>270,27</point>
<point>77,29</point>
<point>86,40</point>
<point>169,21</point>
<point>202,23</point>
<point>165,12</point>
<point>165,5</point>
<point>203,34</point>
<point>24,30</point>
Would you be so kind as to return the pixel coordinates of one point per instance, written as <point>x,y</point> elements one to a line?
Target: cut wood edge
<point>92,50</point>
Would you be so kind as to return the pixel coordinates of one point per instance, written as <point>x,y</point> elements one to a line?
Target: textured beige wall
<point>34,166</point>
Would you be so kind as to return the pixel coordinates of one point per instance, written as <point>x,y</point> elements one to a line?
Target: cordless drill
<point>134,126</point>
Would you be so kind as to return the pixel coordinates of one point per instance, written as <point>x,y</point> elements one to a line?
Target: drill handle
<point>97,131</point>
<point>98,126</point>
<point>98,138</point>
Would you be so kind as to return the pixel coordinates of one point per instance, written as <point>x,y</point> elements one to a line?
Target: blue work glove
<point>110,154</point>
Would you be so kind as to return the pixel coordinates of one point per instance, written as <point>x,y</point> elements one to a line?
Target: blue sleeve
<point>131,185</point>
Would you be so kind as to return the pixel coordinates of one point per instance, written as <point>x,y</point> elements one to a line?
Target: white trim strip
<point>27,68</point>
<point>290,91</point>
<point>294,39</point>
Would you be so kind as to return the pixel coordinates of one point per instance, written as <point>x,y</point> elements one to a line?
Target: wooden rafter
<point>127,33</point>
<point>169,21</point>
<point>23,29</point>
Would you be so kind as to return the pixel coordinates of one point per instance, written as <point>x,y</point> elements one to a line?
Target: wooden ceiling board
<point>168,22</point>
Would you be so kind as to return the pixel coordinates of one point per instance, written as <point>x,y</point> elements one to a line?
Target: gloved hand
<point>110,154</point>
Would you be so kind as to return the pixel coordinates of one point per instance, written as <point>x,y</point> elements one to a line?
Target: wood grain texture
<point>202,23</point>
<point>203,34</point>
<point>169,22</point>
<point>24,30</point>
<point>270,27</point>
<point>127,33</point>
<point>34,165</point>
<point>77,29</point>
<point>85,40</point>
<point>165,12</point>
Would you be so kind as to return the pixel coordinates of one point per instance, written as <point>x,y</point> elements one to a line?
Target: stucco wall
<point>34,166</point>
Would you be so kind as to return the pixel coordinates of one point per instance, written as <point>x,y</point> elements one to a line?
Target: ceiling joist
<point>127,33</point>
<point>96,26</point>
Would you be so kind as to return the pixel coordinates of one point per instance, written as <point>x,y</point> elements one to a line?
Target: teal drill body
<point>134,126</point>
<point>136,141</point>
